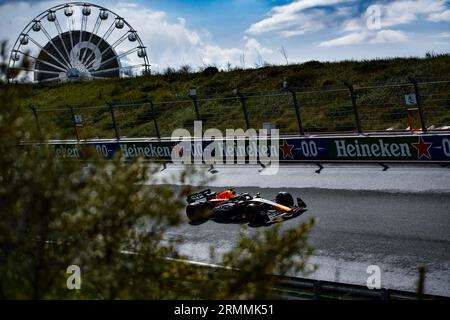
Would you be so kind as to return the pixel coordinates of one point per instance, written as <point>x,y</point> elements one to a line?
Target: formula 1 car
<point>230,206</point>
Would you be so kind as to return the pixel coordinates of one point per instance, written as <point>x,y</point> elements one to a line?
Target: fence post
<point>155,122</point>
<point>355,107</point>
<point>193,96</point>
<point>421,283</point>
<point>113,117</point>
<point>419,103</point>
<point>36,118</point>
<point>385,294</point>
<point>72,114</point>
<point>244,107</point>
<point>296,107</point>
<point>317,290</point>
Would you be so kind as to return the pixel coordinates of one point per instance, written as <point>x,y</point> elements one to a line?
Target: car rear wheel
<point>197,211</point>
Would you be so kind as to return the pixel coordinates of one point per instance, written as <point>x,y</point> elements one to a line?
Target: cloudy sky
<point>203,32</point>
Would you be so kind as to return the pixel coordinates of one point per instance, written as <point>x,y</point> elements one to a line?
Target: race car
<point>230,206</point>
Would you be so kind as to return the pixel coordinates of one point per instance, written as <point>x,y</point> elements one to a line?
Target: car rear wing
<point>198,196</point>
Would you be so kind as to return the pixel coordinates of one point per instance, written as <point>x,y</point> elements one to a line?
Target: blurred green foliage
<point>111,219</point>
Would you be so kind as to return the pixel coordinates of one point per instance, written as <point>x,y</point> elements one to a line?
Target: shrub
<point>210,71</point>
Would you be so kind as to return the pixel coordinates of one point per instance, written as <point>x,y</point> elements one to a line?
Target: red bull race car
<point>230,206</point>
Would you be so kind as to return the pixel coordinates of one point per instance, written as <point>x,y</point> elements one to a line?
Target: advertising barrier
<point>387,148</point>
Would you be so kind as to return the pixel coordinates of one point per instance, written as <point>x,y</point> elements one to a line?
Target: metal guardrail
<point>308,289</point>
<point>295,288</point>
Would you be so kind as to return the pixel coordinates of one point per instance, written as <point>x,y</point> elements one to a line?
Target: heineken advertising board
<point>381,148</point>
<point>420,148</point>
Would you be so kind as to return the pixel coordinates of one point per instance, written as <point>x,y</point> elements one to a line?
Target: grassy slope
<point>322,111</point>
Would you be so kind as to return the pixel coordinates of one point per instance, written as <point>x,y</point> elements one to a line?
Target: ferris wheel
<point>63,44</point>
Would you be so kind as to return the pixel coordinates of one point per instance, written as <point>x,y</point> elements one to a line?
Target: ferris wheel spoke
<point>119,41</point>
<point>97,25</point>
<point>108,33</point>
<point>47,52</point>
<point>114,45</point>
<point>83,28</point>
<point>42,61</point>
<point>90,60</point>
<point>87,62</point>
<point>54,46</point>
<point>118,68</point>
<point>71,39</point>
<point>94,31</point>
<point>118,57</point>
<point>38,71</point>
<point>60,32</point>
<point>72,23</point>
<point>50,79</point>
<point>71,26</point>
<point>104,38</point>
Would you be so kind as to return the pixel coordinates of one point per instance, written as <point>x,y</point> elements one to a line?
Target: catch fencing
<point>399,107</point>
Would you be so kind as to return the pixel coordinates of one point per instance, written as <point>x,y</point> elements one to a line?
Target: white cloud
<point>406,11</point>
<point>387,35</point>
<point>382,36</point>
<point>253,45</point>
<point>345,40</point>
<point>440,16</point>
<point>392,14</point>
<point>290,20</point>
<point>442,35</point>
<point>175,44</point>
<point>307,16</point>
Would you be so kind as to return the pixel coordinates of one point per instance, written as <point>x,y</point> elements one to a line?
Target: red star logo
<point>422,148</point>
<point>287,150</point>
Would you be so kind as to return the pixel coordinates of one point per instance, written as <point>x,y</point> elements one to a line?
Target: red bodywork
<point>226,195</point>
<point>223,196</point>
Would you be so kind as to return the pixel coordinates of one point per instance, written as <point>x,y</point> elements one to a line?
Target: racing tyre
<point>253,213</point>
<point>285,199</point>
<point>196,211</point>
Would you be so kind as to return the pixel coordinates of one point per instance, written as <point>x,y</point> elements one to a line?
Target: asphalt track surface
<point>398,220</point>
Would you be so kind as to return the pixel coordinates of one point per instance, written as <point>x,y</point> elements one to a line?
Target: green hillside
<point>325,101</point>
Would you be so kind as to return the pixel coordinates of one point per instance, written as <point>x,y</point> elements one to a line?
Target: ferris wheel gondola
<point>78,48</point>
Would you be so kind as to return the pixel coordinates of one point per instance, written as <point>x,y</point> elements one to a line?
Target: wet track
<point>398,220</point>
